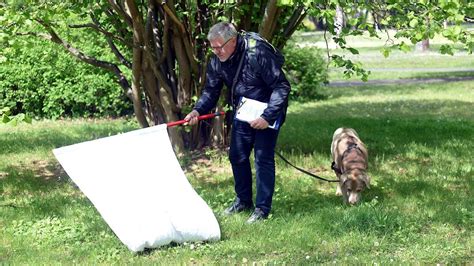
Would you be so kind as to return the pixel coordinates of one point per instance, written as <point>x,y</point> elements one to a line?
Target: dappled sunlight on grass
<point>420,141</point>
<point>43,136</point>
<point>418,208</point>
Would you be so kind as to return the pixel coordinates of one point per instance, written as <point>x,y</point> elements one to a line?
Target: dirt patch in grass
<point>3,175</point>
<point>206,163</point>
<point>47,170</point>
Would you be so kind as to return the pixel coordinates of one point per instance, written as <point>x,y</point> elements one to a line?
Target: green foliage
<point>421,20</point>
<point>412,20</point>
<point>307,26</point>
<point>6,117</point>
<point>38,78</point>
<point>306,70</point>
<point>350,68</point>
<point>56,85</point>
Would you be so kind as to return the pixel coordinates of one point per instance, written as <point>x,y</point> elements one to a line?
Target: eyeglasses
<point>214,48</point>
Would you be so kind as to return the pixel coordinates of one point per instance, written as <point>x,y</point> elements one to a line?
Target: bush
<point>7,118</point>
<point>306,70</point>
<point>44,81</point>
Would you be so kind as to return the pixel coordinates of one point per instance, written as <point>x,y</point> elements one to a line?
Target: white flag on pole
<point>136,183</point>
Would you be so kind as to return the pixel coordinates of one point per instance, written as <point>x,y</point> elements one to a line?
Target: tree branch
<point>269,20</point>
<point>327,48</point>
<point>117,23</point>
<point>152,62</point>
<point>165,43</point>
<point>245,19</point>
<point>183,38</point>
<point>95,26</point>
<point>173,17</point>
<point>111,44</point>
<point>54,37</point>
<point>295,20</point>
<point>121,12</point>
<point>137,26</point>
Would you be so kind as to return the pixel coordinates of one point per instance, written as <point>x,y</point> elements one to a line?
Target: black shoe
<point>256,216</point>
<point>237,207</point>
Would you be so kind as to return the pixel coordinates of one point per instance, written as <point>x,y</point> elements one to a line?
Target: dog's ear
<point>366,179</point>
<point>343,178</point>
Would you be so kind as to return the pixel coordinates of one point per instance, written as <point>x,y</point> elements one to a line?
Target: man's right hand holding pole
<point>192,118</point>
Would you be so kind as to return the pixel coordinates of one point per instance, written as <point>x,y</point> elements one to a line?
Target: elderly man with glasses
<point>261,80</point>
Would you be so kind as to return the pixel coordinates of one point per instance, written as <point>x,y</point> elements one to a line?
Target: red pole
<point>201,117</point>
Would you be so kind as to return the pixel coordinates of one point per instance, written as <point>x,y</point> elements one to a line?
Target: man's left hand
<point>259,123</point>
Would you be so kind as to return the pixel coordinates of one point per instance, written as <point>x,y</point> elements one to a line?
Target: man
<point>265,83</point>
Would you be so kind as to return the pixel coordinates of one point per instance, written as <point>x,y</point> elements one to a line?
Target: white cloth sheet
<point>136,183</point>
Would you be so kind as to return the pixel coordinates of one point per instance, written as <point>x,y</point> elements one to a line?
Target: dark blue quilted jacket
<point>267,84</point>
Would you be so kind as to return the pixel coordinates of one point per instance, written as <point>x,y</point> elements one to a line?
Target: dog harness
<point>334,166</point>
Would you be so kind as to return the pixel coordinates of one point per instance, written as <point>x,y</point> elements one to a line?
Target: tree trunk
<point>269,21</point>
<point>164,44</point>
<point>423,46</point>
<point>339,22</point>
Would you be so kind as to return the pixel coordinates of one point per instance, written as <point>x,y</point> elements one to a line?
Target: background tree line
<point>156,51</point>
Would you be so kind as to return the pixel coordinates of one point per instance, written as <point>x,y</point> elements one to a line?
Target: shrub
<point>44,81</point>
<point>306,70</point>
<point>7,118</point>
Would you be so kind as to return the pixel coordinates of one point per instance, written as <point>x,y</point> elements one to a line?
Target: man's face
<point>223,49</point>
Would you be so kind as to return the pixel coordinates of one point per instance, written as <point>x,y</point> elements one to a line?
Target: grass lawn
<point>419,207</point>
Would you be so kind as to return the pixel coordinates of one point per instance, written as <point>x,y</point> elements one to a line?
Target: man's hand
<point>192,118</point>
<point>259,123</point>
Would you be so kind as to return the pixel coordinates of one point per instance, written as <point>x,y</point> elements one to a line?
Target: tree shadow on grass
<point>385,129</point>
<point>50,138</point>
<point>433,198</point>
<point>433,128</point>
<point>388,134</point>
<point>34,194</point>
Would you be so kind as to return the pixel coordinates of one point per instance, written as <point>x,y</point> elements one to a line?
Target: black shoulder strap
<point>237,74</point>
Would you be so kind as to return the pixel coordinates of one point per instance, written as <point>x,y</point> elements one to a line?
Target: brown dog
<point>349,156</point>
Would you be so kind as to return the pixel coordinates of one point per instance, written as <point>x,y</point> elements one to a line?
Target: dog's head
<point>353,183</point>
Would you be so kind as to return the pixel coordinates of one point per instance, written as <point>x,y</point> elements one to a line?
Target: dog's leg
<point>338,190</point>
<point>341,192</point>
<point>345,195</point>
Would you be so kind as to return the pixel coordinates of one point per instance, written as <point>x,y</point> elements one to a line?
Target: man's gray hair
<point>224,30</point>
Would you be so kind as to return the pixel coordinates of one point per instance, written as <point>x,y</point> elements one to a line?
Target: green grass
<point>419,208</point>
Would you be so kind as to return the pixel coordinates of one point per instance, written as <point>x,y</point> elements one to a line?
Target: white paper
<point>137,185</point>
<point>249,110</point>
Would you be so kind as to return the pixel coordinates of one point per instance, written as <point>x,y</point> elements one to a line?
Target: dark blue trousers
<point>243,139</point>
